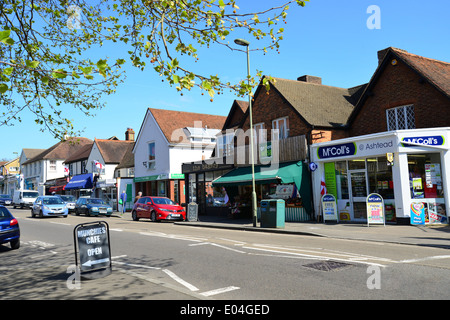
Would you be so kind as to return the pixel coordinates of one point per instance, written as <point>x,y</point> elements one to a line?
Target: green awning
<point>291,172</point>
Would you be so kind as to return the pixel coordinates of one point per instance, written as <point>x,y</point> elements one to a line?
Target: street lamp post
<point>246,44</point>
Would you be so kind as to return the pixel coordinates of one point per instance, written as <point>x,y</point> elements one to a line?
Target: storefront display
<point>404,167</point>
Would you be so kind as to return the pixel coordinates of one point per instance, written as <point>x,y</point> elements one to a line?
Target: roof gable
<point>434,71</point>
<point>113,151</point>
<point>318,105</point>
<point>170,122</point>
<point>61,150</point>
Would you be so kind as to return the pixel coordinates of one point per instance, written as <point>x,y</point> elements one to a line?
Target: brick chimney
<point>129,134</point>
<point>310,79</point>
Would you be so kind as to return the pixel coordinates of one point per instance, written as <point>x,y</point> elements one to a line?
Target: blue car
<point>9,229</point>
<point>49,206</point>
<point>92,207</point>
<point>5,200</point>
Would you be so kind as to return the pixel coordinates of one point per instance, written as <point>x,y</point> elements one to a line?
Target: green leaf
<point>8,71</point>
<point>4,35</point>
<point>59,74</point>
<point>3,88</point>
<point>102,65</point>
<point>32,64</point>
<point>45,80</point>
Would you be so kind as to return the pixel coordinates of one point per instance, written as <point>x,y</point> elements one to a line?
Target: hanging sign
<point>92,249</point>
<point>417,215</point>
<point>375,209</point>
<point>329,208</point>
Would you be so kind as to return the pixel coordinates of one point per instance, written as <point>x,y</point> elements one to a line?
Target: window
<point>282,125</point>
<point>400,118</point>
<point>425,177</point>
<point>83,166</point>
<point>151,156</point>
<point>225,145</point>
<point>260,133</point>
<point>52,165</point>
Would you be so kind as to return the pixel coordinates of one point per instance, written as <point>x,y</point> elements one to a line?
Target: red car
<point>157,209</point>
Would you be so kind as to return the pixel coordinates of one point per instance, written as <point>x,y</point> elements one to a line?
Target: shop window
<point>192,188</point>
<point>425,177</point>
<point>380,177</point>
<point>359,164</point>
<point>341,180</point>
<point>400,118</point>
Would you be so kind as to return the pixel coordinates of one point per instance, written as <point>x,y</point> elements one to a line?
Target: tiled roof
<point>31,153</point>
<point>435,71</point>
<point>81,154</point>
<point>62,150</point>
<point>236,115</point>
<point>128,158</point>
<point>172,121</point>
<point>113,151</point>
<point>319,105</point>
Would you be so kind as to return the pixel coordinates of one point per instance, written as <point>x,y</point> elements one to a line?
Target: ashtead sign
<point>338,150</point>
<point>92,249</point>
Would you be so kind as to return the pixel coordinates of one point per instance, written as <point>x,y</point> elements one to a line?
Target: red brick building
<point>407,91</point>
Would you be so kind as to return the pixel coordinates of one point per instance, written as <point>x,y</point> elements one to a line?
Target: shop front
<point>288,181</point>
<point>199,176</point>
<point>406,167</point>
<point>170,185</point>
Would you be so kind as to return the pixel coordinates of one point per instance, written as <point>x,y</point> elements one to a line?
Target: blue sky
<point>326,38</point>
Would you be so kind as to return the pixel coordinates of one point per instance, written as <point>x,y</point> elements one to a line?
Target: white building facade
<point>408,168</point>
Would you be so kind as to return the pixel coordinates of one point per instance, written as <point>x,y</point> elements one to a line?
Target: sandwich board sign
<point>375,209</point>
<point>329,208</point>
<point>92,249</point>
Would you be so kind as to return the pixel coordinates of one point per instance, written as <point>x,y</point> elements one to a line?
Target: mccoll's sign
<point>339,150</point>
<point>363,148</point>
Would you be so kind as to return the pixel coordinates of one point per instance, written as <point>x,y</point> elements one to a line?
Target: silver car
<point>69,200</point>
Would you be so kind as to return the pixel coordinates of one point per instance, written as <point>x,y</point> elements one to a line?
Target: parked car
<point>92,206</point>
<point>9,228</point>
<point>5,199</point>
<point>157,209</point>
<point>49,206</point>
<point>69,200</point>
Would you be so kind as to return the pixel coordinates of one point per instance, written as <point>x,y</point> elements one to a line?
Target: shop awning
<point>56,188</point>
<point>291,172</point>
<point>81,181</point>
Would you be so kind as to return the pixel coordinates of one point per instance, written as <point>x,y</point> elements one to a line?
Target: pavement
<point>419,235</point>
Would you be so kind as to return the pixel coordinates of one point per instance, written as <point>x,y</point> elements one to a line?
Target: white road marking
<point>425,259</point>
<point>61,223</point>
<point>218,291</point>
<point>179,280</point>
<point>136,265</point>
<point>224,247</point>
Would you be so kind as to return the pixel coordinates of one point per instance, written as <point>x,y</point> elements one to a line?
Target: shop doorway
<point>358,193</point>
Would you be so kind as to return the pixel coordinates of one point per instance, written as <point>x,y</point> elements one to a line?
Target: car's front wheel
<point>153,216</point>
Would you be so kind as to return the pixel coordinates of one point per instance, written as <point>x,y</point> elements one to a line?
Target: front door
<point>358,194</point>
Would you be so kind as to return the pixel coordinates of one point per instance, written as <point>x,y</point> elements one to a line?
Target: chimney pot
<point>129,134</point>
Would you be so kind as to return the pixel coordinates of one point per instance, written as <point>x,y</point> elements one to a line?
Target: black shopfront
<point>212,201</point>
